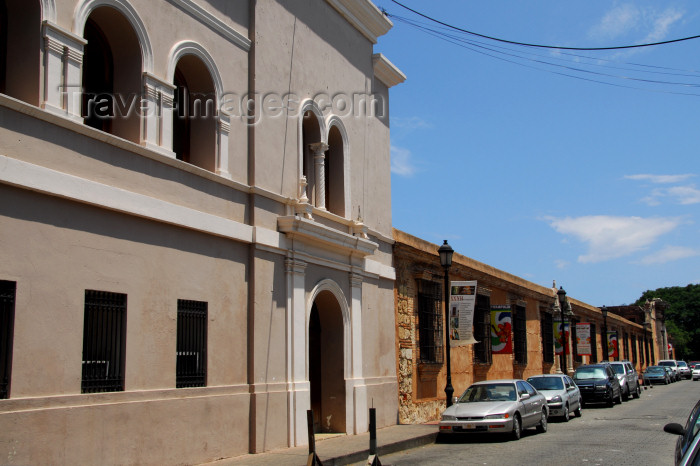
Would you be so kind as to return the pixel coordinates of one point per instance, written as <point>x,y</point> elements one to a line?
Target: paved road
<point>627,434</point>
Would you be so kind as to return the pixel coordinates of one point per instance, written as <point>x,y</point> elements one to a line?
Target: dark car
<point>687,434</point>
<point>656,374</point>
<point>598,383</point>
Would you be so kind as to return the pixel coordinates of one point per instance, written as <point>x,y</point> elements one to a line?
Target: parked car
<point>496,406</point>
<point>563,396</point>
<point>686,434</point>
<point>692,364</point>
<point>673,364</point>
<point>628,377</point>
<point>684,370</point>
<point>656,374</point>
<point>669,371</point>
<point>598,382</point>
<point>696,372</point>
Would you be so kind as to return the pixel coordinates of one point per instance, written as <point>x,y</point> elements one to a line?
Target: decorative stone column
<point>319,150</point>
<point>158,98</point>
<point>63,60</point>
<point>223,129</point>
<point>357,404</point>
<point>298,388</point>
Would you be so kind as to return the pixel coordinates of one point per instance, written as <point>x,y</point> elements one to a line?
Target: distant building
<point>195,227</point>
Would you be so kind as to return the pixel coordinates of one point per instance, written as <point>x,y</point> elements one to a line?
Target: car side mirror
<point>456,399</point>
<point>674,428</point>
<point>524,396</point>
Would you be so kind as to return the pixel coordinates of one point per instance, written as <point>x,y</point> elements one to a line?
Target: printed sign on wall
<point>501,326</point>
<point>583,339</point>
<point>558,336</point>
<point>462,302</point>
<point>613,352</point>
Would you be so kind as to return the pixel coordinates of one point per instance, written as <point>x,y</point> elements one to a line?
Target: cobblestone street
<point>631,433</point>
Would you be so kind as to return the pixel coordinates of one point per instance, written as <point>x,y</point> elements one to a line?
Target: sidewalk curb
<point>388,449</point>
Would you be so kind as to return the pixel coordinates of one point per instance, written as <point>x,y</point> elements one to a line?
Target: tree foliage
<point>682,318</point>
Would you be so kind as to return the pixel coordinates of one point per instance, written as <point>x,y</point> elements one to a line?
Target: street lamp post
<point>565,308</point>
<point>604,311</point>
<point>446,252</point>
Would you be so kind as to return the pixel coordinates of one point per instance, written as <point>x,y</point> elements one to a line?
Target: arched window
<point>112,69</point>
<point>194,118</point>
<point>335,172</point>
<point>20,49</point>
<point>311,147</point>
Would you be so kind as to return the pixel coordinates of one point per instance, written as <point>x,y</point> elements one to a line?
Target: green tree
<point>682,317</point>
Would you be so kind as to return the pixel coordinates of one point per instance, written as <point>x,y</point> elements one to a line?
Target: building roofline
<point>364,16</point>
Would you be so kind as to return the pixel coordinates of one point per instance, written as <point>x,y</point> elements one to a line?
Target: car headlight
<point>447,417</point>
<point>601,387</point>
<point>497,416</point>
<point>556,399</point>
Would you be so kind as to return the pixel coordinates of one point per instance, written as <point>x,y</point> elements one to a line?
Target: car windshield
<point>546,383</point>
<point>619,368</point>
<point>666,363</point>
<point>655,370</point>
<point>489,392</point>
<point>682,364</point>
<point>587,373</point>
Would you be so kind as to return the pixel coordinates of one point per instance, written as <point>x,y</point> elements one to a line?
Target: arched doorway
<point>326,364</point>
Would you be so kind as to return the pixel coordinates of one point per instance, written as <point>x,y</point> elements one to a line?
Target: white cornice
<point>364,16</point>
<point>387,72</point>
<point>214,23</point>
<point>323,236</point>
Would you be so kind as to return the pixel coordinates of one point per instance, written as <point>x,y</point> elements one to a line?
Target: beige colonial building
<point>534,310</point>
<point>195,227</point>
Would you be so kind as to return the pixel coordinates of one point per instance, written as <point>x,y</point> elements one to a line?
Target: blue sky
<point>546,176</point>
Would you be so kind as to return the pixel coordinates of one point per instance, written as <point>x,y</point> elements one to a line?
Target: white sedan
<point>496,406</point>
<point>563,396</point>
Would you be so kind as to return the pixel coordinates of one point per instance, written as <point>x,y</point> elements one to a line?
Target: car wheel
<point>619,397</point>
<point>637,392</point>
<point>517,428</point>
<point>626,395</point>
<point>577,411</point>
<point>611,399</point>
<point>665,381</point>
<point>566,413</point>
<point>542,426</point>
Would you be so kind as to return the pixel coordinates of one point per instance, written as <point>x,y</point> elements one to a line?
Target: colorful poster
<point>462,302</point>
<point>558,337</point>
<point>501,325</point>
<point>613,350</point>
<point>583,339</point>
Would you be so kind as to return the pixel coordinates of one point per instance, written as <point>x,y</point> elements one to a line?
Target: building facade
<point>195,201</point>
<point>533,310</point>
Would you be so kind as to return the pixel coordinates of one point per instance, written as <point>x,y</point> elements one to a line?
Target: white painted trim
<point>330,285</point>
<point>85,7</point>
<point>48,10</point>
<point>364,16</point>
<point>45,180</point>
<point>188,47</point>
<point>214,23</point>
<point>382,270</point>
<point>335,121</point>
<point>386,72</point>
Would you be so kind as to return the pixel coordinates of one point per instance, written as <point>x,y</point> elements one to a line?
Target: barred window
<point>634,349</point>
<point>482,330</point>
<point>625,345</point>
<point>429,322</point>
<point>594,345</point>
<point>7,322</point>
<point>574,340</point>
<point>547,325</point>
<point>520,335</point>
<point>191,344</point>
<point>104,342</point>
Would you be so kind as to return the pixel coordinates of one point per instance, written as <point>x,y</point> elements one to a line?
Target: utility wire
<point>538,45</point>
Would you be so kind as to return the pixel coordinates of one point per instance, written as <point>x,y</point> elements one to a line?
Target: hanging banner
<point>557,336</point>
<point>462,302</point>
<point>583,339</point>
<point>501,325</point>
<point>613,352</point>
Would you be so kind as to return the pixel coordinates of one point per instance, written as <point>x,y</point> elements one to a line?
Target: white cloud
<point>561,264</point>
<point>685,194</point>
<point>616,22</point>
<point>401,163</point>
<point>611,237</point>
<point>660,179</point>
<point>669,254</point>
<point>661,24</point>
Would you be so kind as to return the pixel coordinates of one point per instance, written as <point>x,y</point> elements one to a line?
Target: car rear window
<point>546,383</point>
<point>585,373</point>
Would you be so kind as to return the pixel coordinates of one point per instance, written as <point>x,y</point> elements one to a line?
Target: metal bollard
<point>373,459</point>
<point>313,459</point>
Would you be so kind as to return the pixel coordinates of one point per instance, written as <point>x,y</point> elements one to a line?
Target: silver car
<point>497,406</point>
<point>563,396</point>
